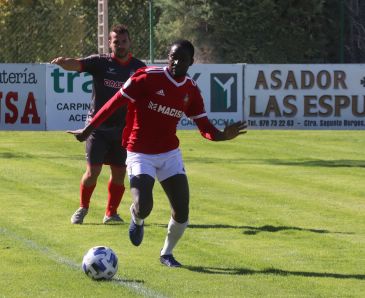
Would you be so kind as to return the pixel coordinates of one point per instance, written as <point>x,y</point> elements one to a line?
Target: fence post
<point>103,30</point>
<point>152,58</point>
<point>342,30</point>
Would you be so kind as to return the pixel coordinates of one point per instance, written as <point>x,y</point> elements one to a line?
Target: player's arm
<point>130,91</point>
<point>196,112</point>
<point>231,131</point>
<point>104,113</point>
<point>70,64</point>
<point>210,132</point>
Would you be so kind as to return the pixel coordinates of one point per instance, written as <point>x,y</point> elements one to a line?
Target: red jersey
<point>156,102</point>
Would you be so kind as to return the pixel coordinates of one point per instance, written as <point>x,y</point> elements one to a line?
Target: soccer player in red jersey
<point>109,72</point>
<point>157,97</point>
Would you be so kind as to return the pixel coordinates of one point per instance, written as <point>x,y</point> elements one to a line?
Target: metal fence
<point>42,32</point>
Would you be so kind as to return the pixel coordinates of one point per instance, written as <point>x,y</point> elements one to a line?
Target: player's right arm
<point>70,64</point>
<point>130,91</point>
<point>104,113</point>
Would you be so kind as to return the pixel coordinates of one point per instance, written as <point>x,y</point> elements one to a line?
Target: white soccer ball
<point>100,262</point>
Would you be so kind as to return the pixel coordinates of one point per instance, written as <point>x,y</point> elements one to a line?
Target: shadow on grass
<point>273,271</point>
<point>23,155</point>
<point>341,163</point>
<point>344,163</point>
<point>207,160</point>
<point>9,155</point>
<point>250,230</point>
<point>102,224</point>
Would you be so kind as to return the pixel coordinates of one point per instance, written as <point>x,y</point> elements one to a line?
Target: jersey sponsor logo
<point>186,99</point>
<point>160,92</point>
<point>152,106</point>
<point>113,84</point>
<point>165,110</point>
<point>111,70</point>
<point>223,90</point>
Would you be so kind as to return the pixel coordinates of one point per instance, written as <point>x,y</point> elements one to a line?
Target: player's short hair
<point>120,29</point>
<point>184,44</point>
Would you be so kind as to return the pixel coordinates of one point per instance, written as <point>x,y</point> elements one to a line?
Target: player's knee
<point>92,173</point>
<point>181,216</point>
<point>89,179</point>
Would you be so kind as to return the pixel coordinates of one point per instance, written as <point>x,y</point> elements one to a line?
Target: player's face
<point>119,44</point>
<point>179,61</point>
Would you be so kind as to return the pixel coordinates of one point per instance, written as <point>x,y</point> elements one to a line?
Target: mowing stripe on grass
<point>131,285</point>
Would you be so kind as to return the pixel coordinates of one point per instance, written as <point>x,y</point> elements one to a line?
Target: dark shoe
<point>136,233</point>
<point>78,216</point>
<point>169,261</point>
<point>112,219</point>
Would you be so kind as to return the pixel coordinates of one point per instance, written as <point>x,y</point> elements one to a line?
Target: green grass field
<point>273,214</point>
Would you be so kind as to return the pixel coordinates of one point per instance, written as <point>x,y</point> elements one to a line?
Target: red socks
<point>115,194</point>
<point>85,195</point>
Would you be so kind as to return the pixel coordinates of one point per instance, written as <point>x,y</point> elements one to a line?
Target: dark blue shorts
<point>104,146</point>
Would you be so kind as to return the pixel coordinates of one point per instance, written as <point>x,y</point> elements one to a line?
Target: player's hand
<point>58,61</point>
<point>233,130</point>
<point>70,64</point>
<point>82,134</point>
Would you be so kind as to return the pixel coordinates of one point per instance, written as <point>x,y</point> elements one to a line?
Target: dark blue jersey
<point>108,77</point>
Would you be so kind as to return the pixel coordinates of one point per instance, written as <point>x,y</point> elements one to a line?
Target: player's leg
<point>177,190</point>
<point>175,184</point>
<point>115,157</point>
<point>141,190</point>
<point>95,151</point>
<point>87,186</point>
<point>116,190</point>
<point>141,170</point>
<point>88,183</point>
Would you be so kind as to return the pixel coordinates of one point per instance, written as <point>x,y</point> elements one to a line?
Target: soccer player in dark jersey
<point>157,97</point>
<point>104,146</point>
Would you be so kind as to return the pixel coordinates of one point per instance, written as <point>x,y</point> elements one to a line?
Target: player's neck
<point>176,78</point>
<point>124,60</point>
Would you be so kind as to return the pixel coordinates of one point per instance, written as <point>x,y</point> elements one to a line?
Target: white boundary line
<point>131,285</point>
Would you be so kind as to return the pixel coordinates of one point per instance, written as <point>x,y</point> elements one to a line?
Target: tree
<point>184,19</point>
<point>355,33</point>
<point>39,30</point>
<point>233,31</point>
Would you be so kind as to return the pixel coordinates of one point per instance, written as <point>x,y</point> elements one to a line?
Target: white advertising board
<point>68,98</point>
<point>310,96</point>
<point>221,88</point>
<point>22,97</point>
<point>69,94</point>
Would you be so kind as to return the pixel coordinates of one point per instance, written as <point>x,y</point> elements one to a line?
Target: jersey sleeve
<point>140,64</point>
<point>90,64</point>
<point>131,91</point>
<point>196,112</point>
<point>108,109</point>
<point>134,88</point>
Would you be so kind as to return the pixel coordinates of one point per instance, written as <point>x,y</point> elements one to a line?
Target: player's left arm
<point>196,112</point>
<point>231,131</point>
<point>210,132</point>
